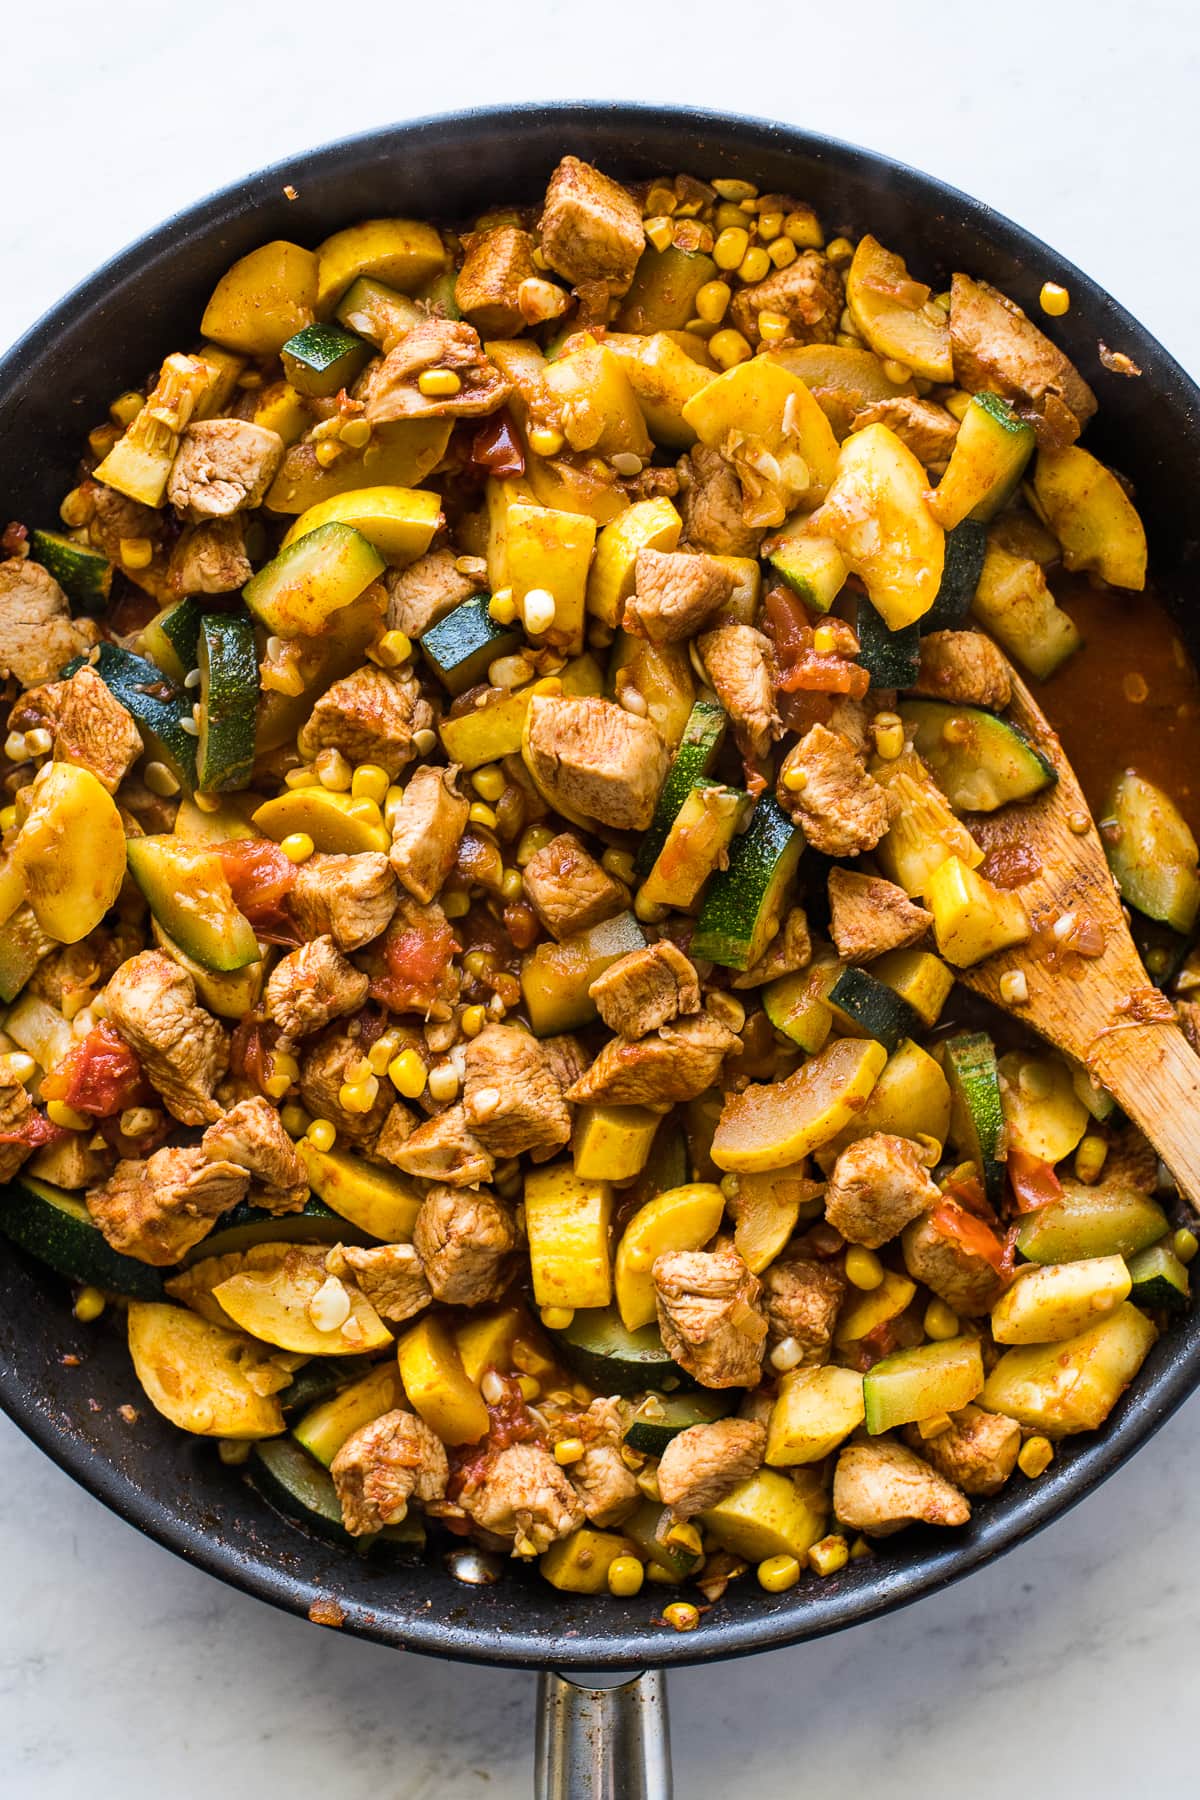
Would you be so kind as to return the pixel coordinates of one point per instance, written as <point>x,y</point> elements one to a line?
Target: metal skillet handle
<point>603,1737</point>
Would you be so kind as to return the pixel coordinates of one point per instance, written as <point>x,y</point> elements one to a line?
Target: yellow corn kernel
<point>502,607</point>
<point>795,780</point>
<point>731,246</point>
<point>754,265</point>
<point>393,648</point>
<point>489,782</point>
<point>533,839</point>
<point>137,552</point>
<point>294,1119</point>
<point>860,1548</point>
<point>76,509</point>
<point>530,1387</point>
<point>732,187</point>
<point>778,1573</point>
<point>727,215</point>
<point>438,384</point>
<point>369,782</point>
<point>863,1268</point>
<point>956,404</point>
<point>682,1615</point>
<point>712,301</point>
<point>728,348</point>
<point>825,640</point>
<point>803,229</point>
<point>89,1304</point>
<point>512,887</point>
<point>934,1425</point>
<point>568,1450</point>
<point>940,1321</point>
<point>887,728</point>
<point>782,252</point>
<point>59,1113</point>
<point>660,231</point>
<point>327,453</point>
<point>897,371</point>
<point>355,434</point>
<point>770,224</point>
<point>407,1074</point>
<point>625,1577</point>
<point>1035,1456</point>
<point>840,250</point>
<point>545,440</point>
<point>473,1020</point>
<point>358,1096</point>
<point>619,864</point>
<point>8,817</point>
<point>773,327</point>
<point>322,1134</point>
<point>829,1555</point>
<point>126,407</point>
<point>456,904</point>
<point>102,439</point>
<point>685,1537</point>
<point>333,771</point>
<point>382,1051</point>
<point>1185,1244</point>
<point>297,846</point>
<point>557,1318</point>
<point>479,814</point>
<point>1090,1157</point>
<point>479,962</point>
<point>1054,299</point>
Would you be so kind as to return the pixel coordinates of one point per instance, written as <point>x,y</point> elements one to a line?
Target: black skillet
<point>53,386</point>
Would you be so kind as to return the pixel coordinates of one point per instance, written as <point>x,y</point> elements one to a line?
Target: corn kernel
<point>358,1096</point>
<point>1035,1456</point>
<point>829,1555</point>
<point>489,782</point>
<point>393,648</point>
<point>712,301</point>
<point>660,232</point>
<point>333,771</point>
<point>568,1450</point>
<point>369,782</point>
<point>126,407</point>
<point>438,384</point>
<point>545,440</point>
<point>1054,299</point>
<point>322,1134</point>
<point>355,434</point>
<point>860,1548</point>
<point>502,607</point>
<point>533,839</point>
<point>512,886</point>
<point>538,610</point>
<point>1090,1157</point>
<point>89,1304</point>
<point>956,404</point>
<point>1014,987</point>
<point>840,250</point>
<point>557,1318</point>
<point>732,187</point>
<point>294,1119</point>
<point>825,640</point>
<point>297,846</point>
<point>479,814</point>
<point>684,1536</point>
<point>773,327</point>
<point>940,1321</point>
<point>863,1268</point>
<point>473,1020</point>
<point>770,224</point>
<point>1185,1244</point>
<point>728,348</point>
<point>897,371</point>
<point>137,552</point>
<point>731,247</point>
<point>102,439</point>
<point>934,1425</point>
<point>8,817</point>
<point>456,904</point>
<point>59,1113</point>
<point>795,780</point>
<point>381,1053</point>
<point>754,265</point>
<point>619,864</point>
<point>625,1577</point>
<point>888,732</point>
<point>778,1573</point>
<point>682,1615</point>
<point>327,453</point>
<point>407,1074</point>
<point>803,229</point>
<point>76,509</point>
<point>782,252</point>
<point>530,1386</point>
<point>443,1083</point>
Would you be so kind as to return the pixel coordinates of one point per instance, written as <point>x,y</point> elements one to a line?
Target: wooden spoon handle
<point>1154,1075</point>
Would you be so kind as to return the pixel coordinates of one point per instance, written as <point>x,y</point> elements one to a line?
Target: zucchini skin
<point>975,1087</point>
<point>228,702</point>
<point>966,546</point>
<point>891,658</point>
<point>698,750</point>
<point>740,898</point>
<point>459,648</point>
<point>615,1361</point>
<point>83,574</point>
<point>157,705</point>
<point>880,1011</point>
<point>53,1225</point>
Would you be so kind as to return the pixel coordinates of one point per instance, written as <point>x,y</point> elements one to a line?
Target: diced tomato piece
<point>496,448</point>
<point>825,674</point>
<point>787,623</point>
<point>972,1233</point>
<point>260,878</point>
<point>1033,1182</point>
<point>34,1131</point>
<point>101,1076</point>
<point>415,958</point>
<point>968,1191</point>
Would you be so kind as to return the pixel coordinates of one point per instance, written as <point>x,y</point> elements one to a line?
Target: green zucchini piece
<point>666,1166</point>
<point>247,1225</point>
<point>377,312</point>
<point>228,702</point>
<point>172,638</point>
<point>555,978</point>
<point>872,1009</point>
<point>1013,602</point>
<point>318,1381</point>
<point>1160,1280</point>
<point>23,944</point>
<point>966,547</point>
<point>643,1527</point>
<point>891,658</point>
<point>1091,1221</point>
<point>83,574</point>
<point>662,295</point>
<point>186,889</point>
<point>696,844</point>
<point>798,1005</point>
<point>976,1115</point>
<point>1151,852</point>
<point>322,359</point>
<point>460,647</point>
<point>813,567</point>
<point>986,762</point>
<point>159,708</point>
<point>745,902</point>
<point>657,1421</point>
<point>297,1485</point>
<point>989,457</point>
<point>616,1361</point>
<point>915,1384</point>
<point>919,977</point>
<point>56,1227</point>
<point>311,578</point>
<point>698,750</point>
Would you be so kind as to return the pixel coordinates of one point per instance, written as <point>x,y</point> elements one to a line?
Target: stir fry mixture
<point>491,761</point>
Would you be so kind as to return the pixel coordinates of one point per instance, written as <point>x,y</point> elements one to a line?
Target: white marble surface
<point>122,1671</point>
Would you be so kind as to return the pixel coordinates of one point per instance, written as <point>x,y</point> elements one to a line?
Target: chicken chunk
<point>923,426</point>
<point>978,1453</point>
<point>869,916</point>
<point>443,1149</point>
<point>646,989</point>
<point>882,1487</point>
<point>209,558</point>
<point>15,1109</point>
<point>704,1463</point>
<point>251,1136</point>
<point>88,725</point>
<point>489,282</point>
<point>370,716</point>
<point>391,1276</point>
<point>741,668</point>
<point>677,592</point>
<point>72,971</point>
<point>112,516</point>
<point>348,898</point>
<point>157,1210</point>
<point>426,828</point>
<point>151,1001</point>
<point>591,227</point>
<point>673,1064</point>
<point>37,632</point>
<point>879,1184</point>
<point>803,1298</point>
<point>324,1070</point>
<point>566,1056</point>
<point>711,505</point>
<point>392,389</point>
<point>710,1317</point>
<point>511,1096</point>
<point>997,348</point>
<point>607,1489</point>
<point>75,1161</point>
<point>521,1493</point>
<point>465,1241</point>
<point>568,889</point>
<point>382,1466</point>
<point>223,466</point>
<point>426,591</point>
<point>841,808</point>
<point>809,293</point>
<point>311,987</point>
<point>965,668</point>
<point>960,1266</point>
<point>789,950</point>
<point>596,759</point>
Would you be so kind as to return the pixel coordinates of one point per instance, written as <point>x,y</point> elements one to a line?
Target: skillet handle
<point>603,1737</point>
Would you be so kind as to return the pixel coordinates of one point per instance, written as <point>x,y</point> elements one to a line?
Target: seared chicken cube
<point>841,808</point>
<point>223,466</point>
<point>673,1064</point>
<point>251,1136</point>
<point>591,227</point>
<point>646,989</point>
<point>997,349</point>
<point>391,1276</point>
<point>330,1063</point>
<point>568,889</point>
<point>704,1463</point>
<point>878,1185</point>
<point>158,1209</point>
<point>151,1001</point>
<point>371,717</point>
<point>710,1317</point>
<point>489,283</point>
<point>385,1464</point>
<point>677,592</point>
<point>923,426</point>
<point>803,1298</point>
<point>311,987</point>
<point>978,1453</point>
<point>392,388</point>
<point>522,1494</point>
<point>808,293</point>
<point>869,916</point>
<point>87,723</point>
<point>426,829</point>
<point>741,668</point>
<point>965,668</point>
<point>209,558</point>
<point>711,505</point>
<point>957,1256</point>
<point>443,1149</point>
<point>348,898</point>
<point>596,759</point>
<point>426,591</point>
<point>511,1096</point>
<point>37,632</point>
<point>465,1241</point>
<point>882,1487</point>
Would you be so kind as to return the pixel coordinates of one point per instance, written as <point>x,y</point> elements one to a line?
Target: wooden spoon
<point>1102,1010</point>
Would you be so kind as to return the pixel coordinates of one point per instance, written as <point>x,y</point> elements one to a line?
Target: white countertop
<point>1069,1664</point>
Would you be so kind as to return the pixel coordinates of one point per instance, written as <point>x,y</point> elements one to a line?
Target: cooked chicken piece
<point>37,632</point>
<point>959,1266</point>
<point>426,828</point>
<point>465,1241</point>
<point>385,1464</point>
<point>521,1493</point>
<point>566,1057</point>
<point>391,1276</point>
<point>590,228</point>
<point>392,389</point>
<point>646,989</point>
<point>809,293</point>
<point>489,282</point>
<point>325,1068</point>
<point>869,916</point>
<point>251,1136</point>
<point>997,348</point>
<point>709,1316</point>
<point>441,1149</point>
<point>965,668</point>
<point>1132,1161</point>
<point>882,1487</point>
<point>152,1003</point>
<point>711,505</point>
<point>348,898</point>
<point>112,516</point>
<point>311,987</point>
<point>370,716</point>
<point>607,1489</point>
<point>926,428</point>
<point>76,1161</point>
<point>72,970</point>
<point>568,889</point>
<point>878,1185</point>
<point>853,717</point>
<point>15,1109</point>
<point>978,1453</point>
<point>157,1210</point>
<point>1188,1014</point>
<point>155,813</point>
<point>511,1096</point>
<point>789,950</point>
<point>594,758</point>
<point>841,808</point>
<point>741,668</point>
<point>677,592</point>
<point>210,559</point>
<point>802,1298</point>
<point>88,724</point>
<point>221,467</point>
<point>426,591</point>
<point>704,1463</point>
<point>675,1063</point>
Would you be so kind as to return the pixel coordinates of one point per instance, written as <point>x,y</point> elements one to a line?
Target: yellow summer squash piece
<point>684,1218</point>
<point>437,1385</point>
<point>71,851</point>
<point>772,1124</point>
<point>263,300</point>
<point>201,1377</point>
<point>567,1223</point>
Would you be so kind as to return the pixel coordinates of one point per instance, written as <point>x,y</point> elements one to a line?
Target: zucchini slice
<point>202,1377</point>
<point>158,706</point>
<point>1092,516</point>
<point>318,574</point>
<point>187,890</point>
<point>378,1200</point>
<point>657,1421</point>
<point>891,658</point>
<point>1013,602</point>
<point>812,566</point>
<point>1052,1301</point>
<point>399,521</point>
<point>872,1009</point>
<point>662,295</point>
<point>1091,1221</point>
<point>23,944</point>
<point>745,902</point>
<point>172,638</point>
<point>989,457</point>
<point>696,844</point>
<point>816,1410</point>
<point>643,1526</point>
<point>976,1114</point>
<point>1151,852</point>
<point>915,1384</point>
<point>289,1478</point>
<point>228,702</point>
<point>699,747</point>
<point>798,1005</point>
<point>1160,1280</point>
<point>320,359</point>
<point>555,978</point>
<point>56,1227</point>
<point>83,574</point>
<point>1043,1112</point>
<point>1059,1389</point>
<point>247,1225</point>
<point>919,977</point>
<point>983,761</point>
<point>615,1361</point>
<point>377,312</point>
<point>326,1425</point>
<point>460,647</point>
<point>966,547</point>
